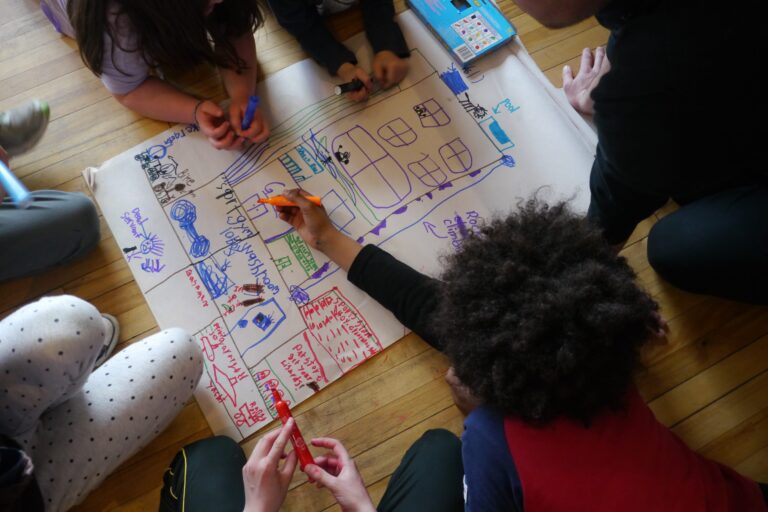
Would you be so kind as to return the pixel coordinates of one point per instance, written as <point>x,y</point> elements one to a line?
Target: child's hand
<point>349,72</point>
<point>210,118</point>
<point>265,482</point>
<point>309,220</point>
<point>258,131</point>
<point>389,69</point>
<point>578,90</point>
<point>337,472</point>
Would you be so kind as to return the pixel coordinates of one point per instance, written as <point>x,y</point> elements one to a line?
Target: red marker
<point>305,457</point>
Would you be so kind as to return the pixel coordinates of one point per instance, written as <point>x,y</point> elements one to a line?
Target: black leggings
<point>717,245</point>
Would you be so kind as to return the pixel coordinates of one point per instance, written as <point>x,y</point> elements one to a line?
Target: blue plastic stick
<point>253,104</point>
<point>18,192</point>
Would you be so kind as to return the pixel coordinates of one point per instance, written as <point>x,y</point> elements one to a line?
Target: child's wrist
<point>194,112</point>
<point>328,239</point>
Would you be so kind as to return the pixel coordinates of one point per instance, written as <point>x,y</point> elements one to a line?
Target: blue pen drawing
<point>505,103</point>
<point>452,78</point>
<point>299,295</point>
<point>150,247</point>
<point>496,134</point>
<point>499,133</point>
<point>258,323</point>
<point>185,213</point>
<point>214,276</point>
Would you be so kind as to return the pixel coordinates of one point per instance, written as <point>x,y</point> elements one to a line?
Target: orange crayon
<point>282,201</point>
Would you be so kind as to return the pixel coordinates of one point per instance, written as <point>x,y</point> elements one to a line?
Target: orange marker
<point>282,201</point>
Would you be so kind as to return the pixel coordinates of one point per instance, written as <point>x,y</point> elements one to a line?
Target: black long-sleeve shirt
<point>410,295</point>
<point>673,114</point>
<point>302,20</point>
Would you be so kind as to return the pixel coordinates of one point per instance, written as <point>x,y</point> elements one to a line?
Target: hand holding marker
<point>282,201</point>
<point>354,85</point>
<point>297,440</point>
<point>250,111</point>
<point>15,188</point>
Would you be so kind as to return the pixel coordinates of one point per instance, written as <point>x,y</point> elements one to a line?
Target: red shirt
<point>624,461</point>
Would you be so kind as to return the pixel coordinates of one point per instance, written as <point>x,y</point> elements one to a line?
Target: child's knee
<point>179,352</point>
<point>439,440</point>
<point>58,328</point>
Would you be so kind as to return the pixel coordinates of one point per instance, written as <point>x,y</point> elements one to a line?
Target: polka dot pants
<point>77,424</point>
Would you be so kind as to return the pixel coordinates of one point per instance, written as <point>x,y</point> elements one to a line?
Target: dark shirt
<point>18,487</point>
<point>489,470</point>
<point>302,20</point>
<point>673,113</point>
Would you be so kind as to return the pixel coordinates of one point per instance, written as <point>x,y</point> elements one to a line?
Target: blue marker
<point>253,104</point>
<point>15,188</point>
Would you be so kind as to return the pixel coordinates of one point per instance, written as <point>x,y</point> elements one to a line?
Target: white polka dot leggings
<point>78,424</point>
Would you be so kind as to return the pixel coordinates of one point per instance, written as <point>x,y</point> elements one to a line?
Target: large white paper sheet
<point>413,170</point>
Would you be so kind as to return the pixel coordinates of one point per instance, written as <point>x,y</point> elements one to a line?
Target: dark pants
<point>204,476</point>
<point>207,475</point>
<point>56,228</point>
<point>430,476</point>
<point>716,245</point>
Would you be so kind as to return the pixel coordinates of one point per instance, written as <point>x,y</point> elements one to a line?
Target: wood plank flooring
<point>709,383</point>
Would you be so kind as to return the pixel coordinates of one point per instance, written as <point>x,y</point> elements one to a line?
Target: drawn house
<point>379,176</point>
<point>397,133</point>
<point>456,156</point>
<point>428,171</point>
<point>431,114</point>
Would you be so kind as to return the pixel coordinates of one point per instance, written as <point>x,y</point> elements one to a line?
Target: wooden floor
<point>710,383</point>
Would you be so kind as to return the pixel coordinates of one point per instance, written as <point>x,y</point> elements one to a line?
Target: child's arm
<point>387,41</point>
<point>240,86</point>
<point>159,100</point>
<point>302,21</point>
<point>410,295</point>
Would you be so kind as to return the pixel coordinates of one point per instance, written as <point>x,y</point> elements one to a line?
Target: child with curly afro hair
<point>542,323</point>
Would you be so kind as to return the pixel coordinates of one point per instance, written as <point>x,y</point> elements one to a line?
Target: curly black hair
<point>540,318</point>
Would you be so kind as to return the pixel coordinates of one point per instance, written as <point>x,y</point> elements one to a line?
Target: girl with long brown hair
<point>128,42</point>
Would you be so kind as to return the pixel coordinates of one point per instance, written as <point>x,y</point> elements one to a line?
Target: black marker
<point>354,85</point>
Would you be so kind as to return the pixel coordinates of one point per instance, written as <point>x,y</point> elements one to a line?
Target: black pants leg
<point>204,476</point>
<point>717,245</point>
<point>430,476</point>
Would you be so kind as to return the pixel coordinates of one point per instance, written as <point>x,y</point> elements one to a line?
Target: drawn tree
<point>428,171</point>
<point>431,114</point>
<point>456,156</point>
<point>397,133</point>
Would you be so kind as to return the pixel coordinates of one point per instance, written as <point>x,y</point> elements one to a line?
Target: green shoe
<point>22,127</point>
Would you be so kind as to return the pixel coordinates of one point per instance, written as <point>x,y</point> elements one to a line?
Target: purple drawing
<point>379,176</point>
<point>253,208</point>
<point>456,156</point>
<point>338,211</point>
<point>397,133</point>
<point>428,171</point>
<point>431,114</point>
